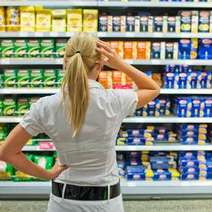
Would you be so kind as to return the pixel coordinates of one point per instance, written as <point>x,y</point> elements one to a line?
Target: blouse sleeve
<point>31,121</point>
<point>125,101</point>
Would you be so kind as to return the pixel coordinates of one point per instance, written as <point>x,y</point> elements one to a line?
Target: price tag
<point>46,145</point>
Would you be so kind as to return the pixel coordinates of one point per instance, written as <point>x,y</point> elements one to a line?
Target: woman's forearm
<point>140,79</point>
<point>21,163</point>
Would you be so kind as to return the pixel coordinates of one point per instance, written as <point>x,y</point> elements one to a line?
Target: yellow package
<point>27,16</point>
<point>90,20</point>
<point>74,20</point>
<point>13,19</point>
<point>43,20</point>
<point>59,20</point>
<point>2,19</point>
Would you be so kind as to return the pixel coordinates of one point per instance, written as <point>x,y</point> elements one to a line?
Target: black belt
<point>89,193</point>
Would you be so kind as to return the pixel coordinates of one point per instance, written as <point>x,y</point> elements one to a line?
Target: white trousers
<point>57,204</point>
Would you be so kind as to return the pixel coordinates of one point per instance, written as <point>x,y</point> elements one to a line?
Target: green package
<point>3,132</point>
<point>47,48</point>
<point>9,107</point>
<point>49,78</point>
<point>6,171</point>
<point>46,162</point>
<point>33,48</point>
<point>60,47</point>
<point>20,48</point>
<point>7,48</point>
<point>1,107</point>
<point>36,78</point>
<point>33,100</point>
<point>59,79</point>
<point>1,80</point>
<point>23,78</point>
<point>22,106</point>
<point>10,78</point>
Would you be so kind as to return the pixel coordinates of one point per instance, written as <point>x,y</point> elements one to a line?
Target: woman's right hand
<point>110,57</point>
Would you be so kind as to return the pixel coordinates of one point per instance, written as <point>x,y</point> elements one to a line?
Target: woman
<point>83,120</point>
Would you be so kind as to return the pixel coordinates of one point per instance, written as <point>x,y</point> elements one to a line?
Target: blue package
<point>130,23</point>
<point>116,23</point>
<point>158,24</point>
<point>135,141</point>
<point>195,107</point>
<point>169,80</point>
<point>189,176</point>
<point>135,173</point>
<point>161,175</point>
<point>151,108</point>
<point>182,107</point>
<point>156,50</point>
<point>208,107</point>
<point>182,80</point>
<point>185,49</point>
<point>103,23</point>
<point>189,170</point>
<point>192,80</point>
<point>205,49</point>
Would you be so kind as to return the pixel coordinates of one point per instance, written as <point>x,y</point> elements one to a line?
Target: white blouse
<point>91,155</point>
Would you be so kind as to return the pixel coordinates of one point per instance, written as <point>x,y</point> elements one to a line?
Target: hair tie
<point>77,52</point>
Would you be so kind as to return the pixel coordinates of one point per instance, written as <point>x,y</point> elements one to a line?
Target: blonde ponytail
<point>80,58</point>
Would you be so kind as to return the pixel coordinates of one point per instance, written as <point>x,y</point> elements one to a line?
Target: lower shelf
<point>130,190</point>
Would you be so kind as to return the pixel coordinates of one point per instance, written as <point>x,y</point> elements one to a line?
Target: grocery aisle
<point>130,206</point>
<point>165,147</point>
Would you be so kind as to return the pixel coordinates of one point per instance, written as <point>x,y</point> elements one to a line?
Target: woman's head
<point>81,61</point>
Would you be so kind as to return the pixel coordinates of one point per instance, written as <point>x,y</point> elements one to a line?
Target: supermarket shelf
<point>55,61</point>
<point>52,3</point>
<point>140,189</point>
<point>107,35</point>
<point>69,3</point>
<point>168,119</point>
<point>165,147</point>
<point>159,147</point>
<point>54,90</point>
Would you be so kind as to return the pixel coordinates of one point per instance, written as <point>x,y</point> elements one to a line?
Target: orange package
<point>118,47</point>
<point>117,77</point>
<point>105,78</point>
<point>141,50</point>
<point>128,50</point>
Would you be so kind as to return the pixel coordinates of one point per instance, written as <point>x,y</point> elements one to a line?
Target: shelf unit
<point>137,4</point>
<point>155,120</point>
<point>58,61</point>
<point>54,90</point>
<point>156,147</point>
<point>140,189</point>
<point>106,35</point>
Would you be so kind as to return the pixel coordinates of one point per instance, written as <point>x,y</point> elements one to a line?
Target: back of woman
<point>83,120</point>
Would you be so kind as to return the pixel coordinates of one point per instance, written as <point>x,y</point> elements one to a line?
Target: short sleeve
<point>126,101</point>
<point>31,121</point>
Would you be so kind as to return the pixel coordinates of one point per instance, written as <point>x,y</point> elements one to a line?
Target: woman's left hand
<point>56,170</point>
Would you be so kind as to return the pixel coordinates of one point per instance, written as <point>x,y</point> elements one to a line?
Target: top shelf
<point>71,3</point>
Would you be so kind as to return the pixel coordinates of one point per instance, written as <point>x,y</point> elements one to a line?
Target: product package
<point>27,19</point>
<point>13,19</point>
<point>59,20</point>
<point>74,20</point>
<point>33,48</point>
<point>43,20</point>
<point>23,78</point>
<point>90,20</point>
<point>2,20</point>
<point>20,48</point>
<point>47,48</point>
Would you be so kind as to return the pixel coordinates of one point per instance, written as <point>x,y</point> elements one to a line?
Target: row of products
<point>180,77</point>
<point>16,106</point>
<point>185,21</point>
<point>33,78</point>
<point>184,49</point>
<point>145,50</point>
<point>8,172</point>
<point>154,134</point>
<point>182,107</point>
<point>193,106</point>
<point>31,19</point>
<point>160,166</point>
<point>190,106</point>
<point>32,48</point>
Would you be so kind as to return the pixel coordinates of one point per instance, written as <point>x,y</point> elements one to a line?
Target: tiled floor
<point>130,206</point>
